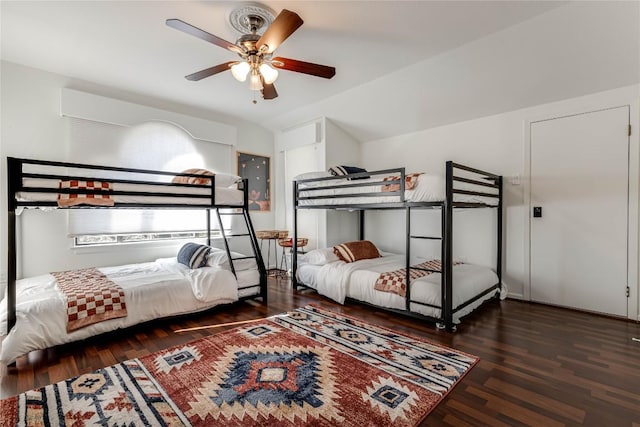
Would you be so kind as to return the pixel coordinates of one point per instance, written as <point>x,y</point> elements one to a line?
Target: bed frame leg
<point>444,327</point>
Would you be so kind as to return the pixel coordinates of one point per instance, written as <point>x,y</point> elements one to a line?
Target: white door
<point>580,180</point>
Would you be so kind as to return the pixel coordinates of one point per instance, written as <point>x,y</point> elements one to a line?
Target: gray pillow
<point>193,255</point>
<point>346,170</point>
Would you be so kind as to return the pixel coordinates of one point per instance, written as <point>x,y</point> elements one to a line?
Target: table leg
<point>275,255</point>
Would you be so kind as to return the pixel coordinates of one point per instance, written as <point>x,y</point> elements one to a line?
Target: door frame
<point>633,303</point>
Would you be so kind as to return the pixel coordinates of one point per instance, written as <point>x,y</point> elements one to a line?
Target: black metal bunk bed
<point>173,196</point>
<point>476,183</point>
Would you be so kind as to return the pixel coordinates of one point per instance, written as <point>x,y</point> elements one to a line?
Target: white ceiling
<point>127,46</point>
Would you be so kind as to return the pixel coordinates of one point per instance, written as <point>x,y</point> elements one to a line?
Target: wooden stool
<point>288,243</point>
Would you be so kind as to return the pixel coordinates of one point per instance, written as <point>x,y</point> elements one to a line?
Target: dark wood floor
<point>539,365</point>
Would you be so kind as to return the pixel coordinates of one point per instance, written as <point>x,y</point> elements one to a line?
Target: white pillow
<point>312,175</point>
<point>226,180</point>
<point>222,179</point>
<point>316,175</point>
<point>218,258</point>
<point>320,256</point>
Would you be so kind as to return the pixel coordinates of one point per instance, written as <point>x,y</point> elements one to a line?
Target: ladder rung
<point>230,213</point>
<point>425,269</point>
<point>244,257</point>
<point>426,237</point>
<point>238,235</point>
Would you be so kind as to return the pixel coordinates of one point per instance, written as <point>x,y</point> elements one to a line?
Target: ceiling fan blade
<point>210,71</point>
<point>269,91</point>
<point>282,27</point>
<point>203,35</point>
<point>304,67</point>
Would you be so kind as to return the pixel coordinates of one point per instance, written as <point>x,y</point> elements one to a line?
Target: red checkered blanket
<point>91,297</point>
<point>396,281</point>
<point>66,200</point>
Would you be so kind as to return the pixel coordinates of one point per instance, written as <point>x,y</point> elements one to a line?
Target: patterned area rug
<point>307,367</point>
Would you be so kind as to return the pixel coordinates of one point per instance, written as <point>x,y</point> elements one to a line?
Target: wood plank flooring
<point>539,365</point>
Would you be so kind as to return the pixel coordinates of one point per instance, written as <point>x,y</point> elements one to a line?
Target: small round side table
<point>271,236</point>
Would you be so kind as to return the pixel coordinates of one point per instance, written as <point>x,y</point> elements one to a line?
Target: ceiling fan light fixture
<point>261,36</point>
<point>269,73</point>
<point>240,70</point>
<point>255,82</point>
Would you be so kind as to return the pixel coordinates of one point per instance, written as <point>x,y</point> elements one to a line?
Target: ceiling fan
<point>256,48</point>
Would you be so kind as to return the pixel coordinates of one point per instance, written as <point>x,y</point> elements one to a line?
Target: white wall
<point>341,150</point>
<point>576,49</point>
<point>33,128</point>
<point>496,144</point>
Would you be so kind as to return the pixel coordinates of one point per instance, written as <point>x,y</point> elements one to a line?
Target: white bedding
<point>338,280</point>
<point>429,188</point>
<point>224,195</point>
<point>152,290</point>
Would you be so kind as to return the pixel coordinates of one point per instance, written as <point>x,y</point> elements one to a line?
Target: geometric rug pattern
<point>307,367</point>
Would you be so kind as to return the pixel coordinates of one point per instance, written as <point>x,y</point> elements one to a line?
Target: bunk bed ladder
<point>294,246</point>
<point>257,255</point>
<point>226,242</point>
<point>408,256</point>
<point>256,251</point>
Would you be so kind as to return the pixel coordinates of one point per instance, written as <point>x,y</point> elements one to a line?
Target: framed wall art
<point>257,169</point>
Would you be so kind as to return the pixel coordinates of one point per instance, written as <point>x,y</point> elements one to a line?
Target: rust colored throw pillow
<point>192,179</point>
<point>355,251</point>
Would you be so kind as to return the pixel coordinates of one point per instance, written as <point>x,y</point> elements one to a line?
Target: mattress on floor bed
<point>152,290</point>
<point>339,280</point>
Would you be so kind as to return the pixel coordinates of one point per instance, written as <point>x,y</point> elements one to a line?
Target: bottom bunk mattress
<point>339,280</point>
<point>152,290</point>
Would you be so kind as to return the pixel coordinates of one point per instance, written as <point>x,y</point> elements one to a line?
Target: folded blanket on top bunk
<point>410,182</point>
<point>396,281</point>
<point>65,200</point>
<point>91,297</point>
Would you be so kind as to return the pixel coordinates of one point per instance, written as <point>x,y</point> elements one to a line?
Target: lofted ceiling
<point>127,46</point>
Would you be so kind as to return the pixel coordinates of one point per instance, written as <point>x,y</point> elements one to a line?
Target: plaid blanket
<point>66,200</point>
<point>396,281</point>
<point>410,182</point>
<point>91,297</point>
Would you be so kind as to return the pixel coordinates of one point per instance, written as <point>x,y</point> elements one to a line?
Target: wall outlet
<point>515,180</point>
<point>3,276</point>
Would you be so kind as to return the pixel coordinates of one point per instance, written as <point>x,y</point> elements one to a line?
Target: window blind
<point>151,145</point>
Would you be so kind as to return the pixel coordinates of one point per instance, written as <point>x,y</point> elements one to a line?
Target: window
<point>150,145</point>
<point>116,239</point>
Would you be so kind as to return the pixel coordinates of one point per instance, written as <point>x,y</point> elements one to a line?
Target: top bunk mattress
<point>428,188</point>
<point>40,183</point>
<point>173,194</point>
